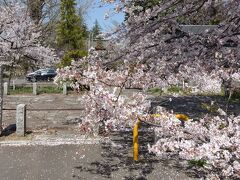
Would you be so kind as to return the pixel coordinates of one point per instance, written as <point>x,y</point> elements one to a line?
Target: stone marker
<point>34,88</point>
<point>1,96</point>
<point>21,120</point>
<point>183,85</point>
<point>64,89</point>
<point>5,88</point>
<point>14,87</point>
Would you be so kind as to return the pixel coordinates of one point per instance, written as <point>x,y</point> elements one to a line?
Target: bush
<point>71,56</point>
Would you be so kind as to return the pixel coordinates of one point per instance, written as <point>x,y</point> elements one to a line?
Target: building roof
<point>197,29</point>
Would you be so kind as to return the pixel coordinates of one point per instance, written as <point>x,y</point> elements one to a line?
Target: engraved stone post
<point>5,87</point>
<point>34,88</point>
<point>21,120</point>
<point>64,89</point>
<point>1,96</point>
<point>14,87</point>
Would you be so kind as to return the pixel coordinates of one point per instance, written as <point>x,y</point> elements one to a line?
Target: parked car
<point>41,75</point>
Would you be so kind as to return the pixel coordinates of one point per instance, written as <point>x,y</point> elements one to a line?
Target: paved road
<point>79,162</point>
<point>100,161</point>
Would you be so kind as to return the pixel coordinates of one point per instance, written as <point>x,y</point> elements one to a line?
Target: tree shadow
<point>117,155</point>
<point>10,129</point>
<point>196,106</point>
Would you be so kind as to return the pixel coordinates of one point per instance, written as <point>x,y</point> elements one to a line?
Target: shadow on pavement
<point>117,156</point>
<point>193,106</point>
<point>9,130</point>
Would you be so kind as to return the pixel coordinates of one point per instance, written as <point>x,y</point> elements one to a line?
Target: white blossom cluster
<point>104,102</point>
<point>155,37</point>
<point>209,139</point>
<point>159,54</point>
<point>202,82</point>
<point>20,37</point>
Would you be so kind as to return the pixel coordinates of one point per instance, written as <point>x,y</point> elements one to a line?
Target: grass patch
<point>198,163</point>
<point>50,90</point>
<point>40,90</point>
<point>155,91</point>
<point>174,89</point>
<point>21,90</point>
<point>211,108</point>
<point>235,97</point>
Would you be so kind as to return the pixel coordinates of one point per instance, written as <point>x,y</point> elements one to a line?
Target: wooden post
<point>135,141</point>
<point>1,96</point>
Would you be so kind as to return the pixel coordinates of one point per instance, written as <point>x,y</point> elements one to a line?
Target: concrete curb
<point>54,141</point>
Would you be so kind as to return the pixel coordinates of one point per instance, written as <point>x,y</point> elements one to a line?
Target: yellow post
<point>135,141</point>
<point>182,118</point>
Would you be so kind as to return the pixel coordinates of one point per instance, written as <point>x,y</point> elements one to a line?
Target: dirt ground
<point>193,106</point>
<point>44,118</point>
<point>115,159</point>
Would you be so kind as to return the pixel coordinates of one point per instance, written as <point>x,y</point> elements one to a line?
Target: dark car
<point>41,75</point>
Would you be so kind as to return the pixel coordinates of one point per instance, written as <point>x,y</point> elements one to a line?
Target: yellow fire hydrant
<point>135,141</point>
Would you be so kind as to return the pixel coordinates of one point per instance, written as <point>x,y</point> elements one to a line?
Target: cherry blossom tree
<point>159,53</point>
<point>21,38</point>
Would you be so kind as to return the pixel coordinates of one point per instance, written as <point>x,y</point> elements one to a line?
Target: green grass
<point>155,91</point>
<point>198,163</point>
<point>21,90</point>
<point>235,97</point>
<point>49,90</point>
<point>40,90</point>
<point>174,89</point>
<point>170,90</point>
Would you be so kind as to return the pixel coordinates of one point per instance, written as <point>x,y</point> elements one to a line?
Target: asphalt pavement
<point>65,162</point>
<point>46,158</point>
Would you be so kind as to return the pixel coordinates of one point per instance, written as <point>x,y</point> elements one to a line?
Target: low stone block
<point>5,88</point>
<point>64,89</point>
<point>14,86</point>
<point>35,89</point>
<point>21,120</point>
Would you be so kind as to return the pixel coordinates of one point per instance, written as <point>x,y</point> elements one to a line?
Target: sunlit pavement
<point>71,156</point>
<point>75,158</point>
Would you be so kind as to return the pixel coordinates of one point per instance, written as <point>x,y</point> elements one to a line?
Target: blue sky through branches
<point>96,12</point>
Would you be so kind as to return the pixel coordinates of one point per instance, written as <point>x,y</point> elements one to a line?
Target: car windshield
<point>38,72</point>
<point>45,71</point>
<point>51,71</point>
